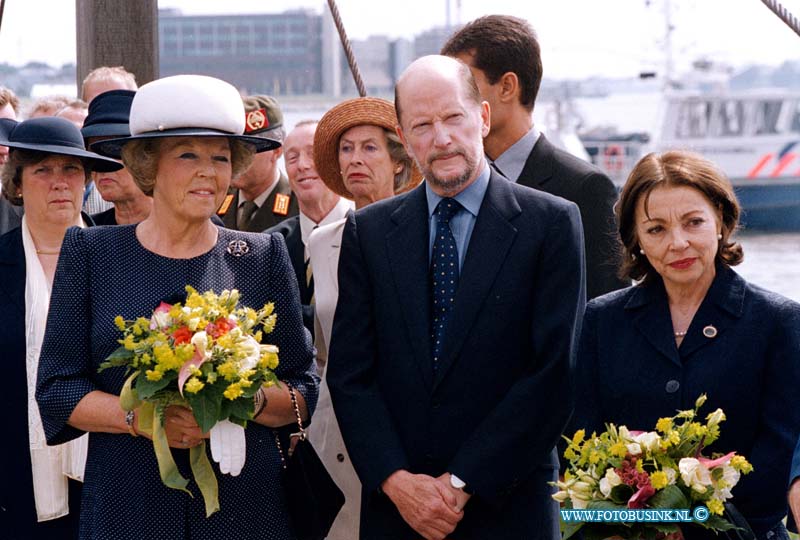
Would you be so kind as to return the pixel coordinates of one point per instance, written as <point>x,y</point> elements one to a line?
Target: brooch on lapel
<point>237,248</point>
<point>710,331</point>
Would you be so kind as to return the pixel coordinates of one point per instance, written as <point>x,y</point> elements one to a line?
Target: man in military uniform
<point>260,197</point>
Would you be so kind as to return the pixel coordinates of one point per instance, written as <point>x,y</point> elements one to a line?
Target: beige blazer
<point>324,246</point>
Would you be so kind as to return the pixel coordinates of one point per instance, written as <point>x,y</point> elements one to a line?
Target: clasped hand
<point>429,505</point>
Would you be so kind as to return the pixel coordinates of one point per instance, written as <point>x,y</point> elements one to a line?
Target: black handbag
<point>312,497</point>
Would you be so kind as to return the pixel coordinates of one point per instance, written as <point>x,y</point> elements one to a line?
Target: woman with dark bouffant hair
<point>690,325</point>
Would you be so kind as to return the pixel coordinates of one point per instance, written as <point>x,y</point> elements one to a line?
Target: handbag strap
<point>301,434</point>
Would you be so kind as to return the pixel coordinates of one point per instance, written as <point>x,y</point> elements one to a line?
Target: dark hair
<point>499,44</point>
<point>675,168</point>
<point>467,83</point>
<point>18,159</point>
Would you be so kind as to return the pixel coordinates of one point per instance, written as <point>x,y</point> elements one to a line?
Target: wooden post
<point>117,33</point>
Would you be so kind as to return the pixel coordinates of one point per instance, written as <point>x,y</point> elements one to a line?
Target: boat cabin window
<point>766,118</point>
<point>730,117</point>
<point>795,125</point>
<point>693,119</point>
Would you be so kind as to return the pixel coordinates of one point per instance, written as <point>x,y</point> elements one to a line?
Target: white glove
<point>228,447</point>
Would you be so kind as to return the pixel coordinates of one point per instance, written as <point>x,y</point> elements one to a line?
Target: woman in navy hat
<point>108,118</point>
<point>46,172</point>
<point>186,142</point>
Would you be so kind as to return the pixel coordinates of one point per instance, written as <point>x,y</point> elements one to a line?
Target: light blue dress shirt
<point>463,222</point>
<point>512,161</point>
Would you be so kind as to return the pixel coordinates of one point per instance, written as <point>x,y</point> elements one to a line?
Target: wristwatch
<point>458,483</point>
<point>130,416</point>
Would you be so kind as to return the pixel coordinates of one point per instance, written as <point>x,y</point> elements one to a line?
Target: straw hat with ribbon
<point>353,112</point>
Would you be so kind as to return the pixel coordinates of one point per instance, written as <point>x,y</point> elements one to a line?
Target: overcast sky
<point>580,38</point>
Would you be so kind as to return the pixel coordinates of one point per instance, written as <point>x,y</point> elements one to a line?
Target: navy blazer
<point>290,230</point>
<point>559,173</point>
<point>499,400</point>
<point>17,507</point>
<point>630,372</point>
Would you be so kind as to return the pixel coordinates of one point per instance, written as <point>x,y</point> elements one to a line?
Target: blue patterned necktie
<point>444,274</point>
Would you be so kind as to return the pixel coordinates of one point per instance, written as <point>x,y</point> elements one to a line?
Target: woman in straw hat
<point>46,173</point>
<point>359,156</point>
<point>186,142</point>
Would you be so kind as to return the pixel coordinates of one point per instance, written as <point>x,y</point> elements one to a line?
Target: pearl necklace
<point>681,334</point>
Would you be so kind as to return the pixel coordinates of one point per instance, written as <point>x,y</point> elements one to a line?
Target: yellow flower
<point>659,480</point>
<point>153,375</point>
<point>120,322</point>
<point>741,464</point>
<point>233,391</point>
<point>211,378</point>
<point>228,370</point>
<point>594,457</point>
<point>129,342</point>
<point>618,449</point>
<point>674,437</point>
<point>194,385</point>
<point>664,425</point>
<point>715,506</point>
<point>570,454</point>
<point>640,465</point>
<point>578,437</point>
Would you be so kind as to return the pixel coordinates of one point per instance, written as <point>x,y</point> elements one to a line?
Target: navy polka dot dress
<point>104,272</point>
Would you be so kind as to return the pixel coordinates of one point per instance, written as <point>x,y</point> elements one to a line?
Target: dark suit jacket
<point>554,171</point>
<point>290,229</point>
<point>264,218</point>
<point>501,395</point>
<point>17,508</point>
<point>10,215</point>
<point>630,372</point>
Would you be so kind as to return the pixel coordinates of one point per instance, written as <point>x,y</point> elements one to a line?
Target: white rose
<point>252,350</point>
<point>159,320</point>
<point>694,474</point>
<point>200,342</point>
<point>634,448</point>
<point>730,477</point>
<point>608,482</point>
<point>671,475</point>
<point>650,441</point>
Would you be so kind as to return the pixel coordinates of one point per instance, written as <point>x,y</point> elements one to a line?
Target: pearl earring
<point>719,236</point>
<point>641,251</point>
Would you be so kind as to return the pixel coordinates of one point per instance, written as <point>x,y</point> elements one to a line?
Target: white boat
<point>753,136</point>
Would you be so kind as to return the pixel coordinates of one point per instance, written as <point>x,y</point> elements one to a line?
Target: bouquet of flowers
<point>206,355</point>
<point>662,469</point>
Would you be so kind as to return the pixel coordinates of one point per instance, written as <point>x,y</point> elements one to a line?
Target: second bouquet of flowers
<point>621,469</point>
<point>205,354</point>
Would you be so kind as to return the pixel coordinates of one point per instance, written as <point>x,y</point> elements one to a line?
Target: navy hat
<point>186,106</point>
<point>109,114</point>
<point>6,125</point>
<point>55,136</point>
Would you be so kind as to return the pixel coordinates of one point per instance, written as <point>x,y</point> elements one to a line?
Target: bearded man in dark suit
<point>452,340</point>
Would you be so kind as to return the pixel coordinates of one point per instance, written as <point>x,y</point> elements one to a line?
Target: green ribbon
<point>150,424</point>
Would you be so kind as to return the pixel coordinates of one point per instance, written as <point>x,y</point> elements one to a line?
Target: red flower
<point>640,497</point>
<point>182,335</point>
<point>223,326</point>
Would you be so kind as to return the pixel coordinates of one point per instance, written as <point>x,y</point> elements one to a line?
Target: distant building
<point>431,41</point>
<point>373,57</point>
<point>275,54</point>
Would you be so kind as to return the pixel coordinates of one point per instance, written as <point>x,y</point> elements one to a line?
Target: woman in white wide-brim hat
<point>186,142</point>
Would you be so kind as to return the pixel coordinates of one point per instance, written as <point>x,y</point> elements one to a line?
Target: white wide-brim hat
<point>186,106</point>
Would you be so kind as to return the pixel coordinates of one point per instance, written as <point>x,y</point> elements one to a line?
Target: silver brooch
<point>237,248</point>
<point>710,331</point>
